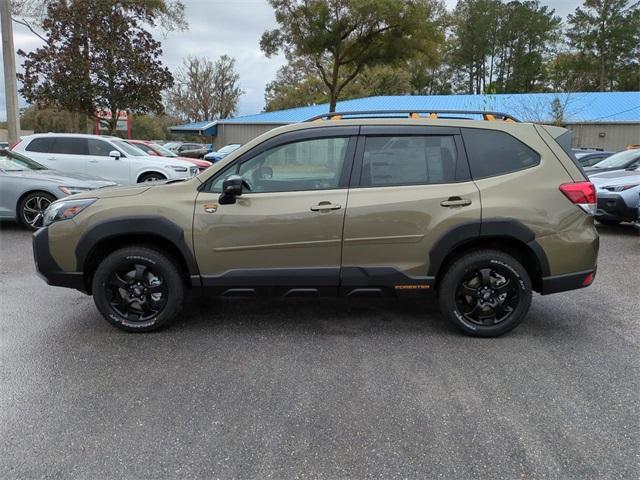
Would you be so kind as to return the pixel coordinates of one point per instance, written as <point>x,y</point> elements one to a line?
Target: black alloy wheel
<point>136,292</point>
<point>138,288</point>
<point>487,296</point>
<point>485,293</point>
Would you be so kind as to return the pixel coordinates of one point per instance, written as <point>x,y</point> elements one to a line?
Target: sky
<point>231,27</point>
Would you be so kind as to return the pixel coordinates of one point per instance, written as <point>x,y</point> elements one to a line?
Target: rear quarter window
<point>492,153</point>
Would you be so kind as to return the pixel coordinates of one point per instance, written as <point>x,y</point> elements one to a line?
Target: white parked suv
<point>105,157</point>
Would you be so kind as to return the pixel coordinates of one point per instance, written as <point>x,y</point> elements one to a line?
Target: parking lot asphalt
<point>259,388</point>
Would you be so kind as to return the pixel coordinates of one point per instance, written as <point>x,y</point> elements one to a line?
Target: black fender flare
<point>486,229</point>
<point>137,225</point>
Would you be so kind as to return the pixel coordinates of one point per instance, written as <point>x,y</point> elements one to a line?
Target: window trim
<point>295,136</point>
<point>499,174</point>
<point>463,173</point>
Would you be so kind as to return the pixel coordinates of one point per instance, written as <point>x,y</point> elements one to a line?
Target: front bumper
<point>614,207</point>
<point>48,269</point>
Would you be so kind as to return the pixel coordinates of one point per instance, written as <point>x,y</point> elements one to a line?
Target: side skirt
<point>314,282</point>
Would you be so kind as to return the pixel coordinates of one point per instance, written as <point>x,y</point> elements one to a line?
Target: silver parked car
<point>618,195</point>
<point>28,188</point>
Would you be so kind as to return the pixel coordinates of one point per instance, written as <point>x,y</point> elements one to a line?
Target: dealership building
<point>604,120</point>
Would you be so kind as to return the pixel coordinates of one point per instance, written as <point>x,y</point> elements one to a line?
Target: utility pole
<point>10,80</point>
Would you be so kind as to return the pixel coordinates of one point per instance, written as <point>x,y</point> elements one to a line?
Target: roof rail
<point>486,115</point>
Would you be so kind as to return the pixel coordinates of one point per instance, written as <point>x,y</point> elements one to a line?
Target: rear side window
<point>492,153</point>
<point>408,160</point>
<point>40,145</point>
<point>70,146</point>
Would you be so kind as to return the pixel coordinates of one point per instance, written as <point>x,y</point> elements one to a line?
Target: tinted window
<point>99,148</point>
<point>41,145</point>
<point>306,165</point>
<point>492,153</point>
<point>70,146</point>
<point>408,160</point>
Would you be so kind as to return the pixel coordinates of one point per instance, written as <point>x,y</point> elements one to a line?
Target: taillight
<point>582,194</point>
<point>14,144</point>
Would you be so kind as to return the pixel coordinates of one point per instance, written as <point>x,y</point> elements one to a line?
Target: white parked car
<point>105,157</point>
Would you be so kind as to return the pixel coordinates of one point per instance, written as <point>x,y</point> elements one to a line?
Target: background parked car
<point>4,145</point>
<point>618,196</point>
<point>106,157</point>
<point>617,161</point>
<point>223,152</point>
<point>28,188</point>
<point>155,150</point>
<point>588,158</point>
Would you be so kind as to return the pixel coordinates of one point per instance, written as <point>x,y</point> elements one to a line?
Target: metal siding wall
<point>240,133</point>
<point>616,135</point>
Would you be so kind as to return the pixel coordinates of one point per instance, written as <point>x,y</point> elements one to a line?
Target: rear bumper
<point>569,281</point>
<point>48,269</point>
<point>615,207</point>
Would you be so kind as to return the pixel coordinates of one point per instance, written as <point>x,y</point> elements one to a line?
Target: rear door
<point>410,186</point>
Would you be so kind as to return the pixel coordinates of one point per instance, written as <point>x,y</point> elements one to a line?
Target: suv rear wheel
<point>485,293</point>
<point>138,289</point>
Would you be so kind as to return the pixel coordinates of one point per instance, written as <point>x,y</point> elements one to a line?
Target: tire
<point>151,177</point>
<point>471,293</point>
<point>31,209</point>
<point>608,221</point>
<point>138,289</point>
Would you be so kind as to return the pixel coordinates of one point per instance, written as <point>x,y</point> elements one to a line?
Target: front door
<point>285,231</point>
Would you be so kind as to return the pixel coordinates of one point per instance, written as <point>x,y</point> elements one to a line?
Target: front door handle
<point>455,202</point>
<point>323,206</point>
<point>93,161</point>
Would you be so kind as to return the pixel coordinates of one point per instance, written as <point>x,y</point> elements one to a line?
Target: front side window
<point>492,152</point>
<point>306,165</point>
<point>408,160</point>
<point>99,147</point>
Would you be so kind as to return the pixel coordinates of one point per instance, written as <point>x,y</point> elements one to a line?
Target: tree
<point>340,39</point>
<point>31,13</point>
<point>97,56</point>
<point>206,90</point>
<point>502,47</point>
<point>153,127</point>
<point>43,120</point>
<point>606,33</point>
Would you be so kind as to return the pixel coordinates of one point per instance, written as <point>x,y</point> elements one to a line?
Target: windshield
<point>15,162</point>
<point>128,149</point>
<point>163,151</point>
<point>618,160</point>
<point>229,148</point>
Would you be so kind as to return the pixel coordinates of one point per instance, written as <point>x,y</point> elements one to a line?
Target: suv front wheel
<point>485,293</point>
<point>138,289</point>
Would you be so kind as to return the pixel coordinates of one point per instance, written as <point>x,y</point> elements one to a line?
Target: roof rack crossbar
<point>432,113</point>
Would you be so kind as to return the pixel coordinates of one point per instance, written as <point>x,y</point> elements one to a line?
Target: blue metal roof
<point>536,107</point>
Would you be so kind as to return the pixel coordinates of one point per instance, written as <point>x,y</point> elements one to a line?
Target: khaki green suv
<point>481,210</point>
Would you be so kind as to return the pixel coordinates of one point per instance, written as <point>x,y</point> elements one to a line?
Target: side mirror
<point>231,188</point>
<point>115,154</point>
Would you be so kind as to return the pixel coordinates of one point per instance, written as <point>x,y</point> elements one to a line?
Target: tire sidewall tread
<point>153,256</point>
<point>471,261</point>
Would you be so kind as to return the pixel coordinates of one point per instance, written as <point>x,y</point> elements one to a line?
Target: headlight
<point>177,168</point>
<point>65,209</point>
<point>73,190</point>
<point>619,188</point>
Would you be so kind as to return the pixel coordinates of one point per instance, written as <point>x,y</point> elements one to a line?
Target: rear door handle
<point>455,202</point>
<point>52,159</point>
<point>322,206</point>
<point>93,161</point>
